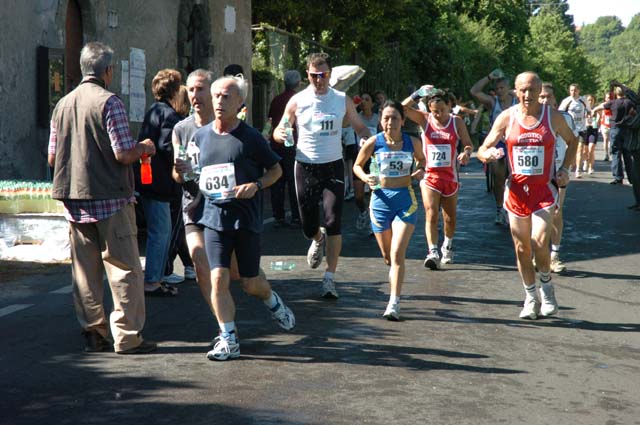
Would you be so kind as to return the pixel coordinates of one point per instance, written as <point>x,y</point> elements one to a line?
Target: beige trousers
<point>109,246</point>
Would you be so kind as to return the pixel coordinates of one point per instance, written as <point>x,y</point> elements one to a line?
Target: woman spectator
<point>156,197</point>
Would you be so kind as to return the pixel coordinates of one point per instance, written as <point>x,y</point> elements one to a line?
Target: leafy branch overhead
<point>452,43</point>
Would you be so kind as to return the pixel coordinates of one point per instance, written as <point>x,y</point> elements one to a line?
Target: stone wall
<point>155,26</point>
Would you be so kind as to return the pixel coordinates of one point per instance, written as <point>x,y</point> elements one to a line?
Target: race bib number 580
<point>528,160</point>
<point>217,181</point>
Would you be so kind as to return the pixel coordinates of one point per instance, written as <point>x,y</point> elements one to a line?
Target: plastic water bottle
<point>288,142</point>
<point>427,90</point>
<point>496,74</point>
<point>146,177</point>
<point>182,154</point>
<point>266,130</point>
<point>373,169</point>
<point>283,265</point>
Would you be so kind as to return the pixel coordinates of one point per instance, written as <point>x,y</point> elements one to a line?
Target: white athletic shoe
<point>189,272</point>
<point>282,314</point>
<point>447,256</point>
<point>315,254</point>
<point>557,265</point>
<point>362,220</point>
<point>225,349</point>
<point>433,260</point>
<point>392,312</point>
<point>531,308</point>
<point>173,278</point>
<point>329,288</point>
<point>549,305</point>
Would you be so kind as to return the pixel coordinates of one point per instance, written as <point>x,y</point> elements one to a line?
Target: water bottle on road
<point>283,265</point>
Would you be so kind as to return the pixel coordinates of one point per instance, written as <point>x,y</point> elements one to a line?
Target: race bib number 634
<point>217,181</point>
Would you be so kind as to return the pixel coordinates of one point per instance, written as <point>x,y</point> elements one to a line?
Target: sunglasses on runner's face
<point>316,75</point>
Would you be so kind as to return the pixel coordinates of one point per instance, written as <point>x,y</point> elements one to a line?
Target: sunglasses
<point>315,75</point>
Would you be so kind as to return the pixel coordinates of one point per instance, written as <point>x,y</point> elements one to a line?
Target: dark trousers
<point>616,135</point>
<point>178,245</point>
<point>632,167</point>
<point>286,182</point>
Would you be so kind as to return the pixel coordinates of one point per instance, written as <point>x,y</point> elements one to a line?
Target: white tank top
<point>561,145</point>
<point>319,121</point>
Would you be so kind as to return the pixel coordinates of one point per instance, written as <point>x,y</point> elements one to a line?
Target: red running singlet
<point>531,158</point>
<point>440,145</point>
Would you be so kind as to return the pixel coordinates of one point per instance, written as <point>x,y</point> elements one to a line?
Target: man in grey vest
<point>91,151</point>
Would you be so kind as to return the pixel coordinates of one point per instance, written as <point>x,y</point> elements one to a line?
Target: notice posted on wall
<point>124,77</point>
<point>137,96</point>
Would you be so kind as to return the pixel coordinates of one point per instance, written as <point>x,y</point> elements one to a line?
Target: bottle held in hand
<point>496,74</point>
<point>146,176</point>
<point>188,176</point>
<point>287,127</point>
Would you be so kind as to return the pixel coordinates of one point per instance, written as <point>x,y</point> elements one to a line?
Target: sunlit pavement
<point>460,355</point>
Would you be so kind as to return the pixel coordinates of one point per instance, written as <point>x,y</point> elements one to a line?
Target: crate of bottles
<point>27,196</point>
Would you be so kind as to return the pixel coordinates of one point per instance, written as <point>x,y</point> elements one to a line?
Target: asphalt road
<point>459,356</point>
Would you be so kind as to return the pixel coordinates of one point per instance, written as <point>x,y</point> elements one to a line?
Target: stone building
<point>40,50</point>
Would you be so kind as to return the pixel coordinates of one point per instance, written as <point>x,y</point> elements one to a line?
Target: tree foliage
<point>554,55</point>
<point>613,50</point>
<point>452,43</point>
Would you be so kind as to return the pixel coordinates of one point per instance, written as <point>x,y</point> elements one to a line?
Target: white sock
<point>433,247</point>
<point>227,330</point>
<point>447,243</point>
<point>394,300</point>
<point>545,278</point>
<point>530,289</point>
<point>272,301</point>
<point>555,248</point>
<point>328,275</point>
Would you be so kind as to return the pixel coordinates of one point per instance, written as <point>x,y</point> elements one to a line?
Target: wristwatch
<point>259,184</point>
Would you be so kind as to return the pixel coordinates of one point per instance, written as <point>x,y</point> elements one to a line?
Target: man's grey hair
<point>95,57</point>
<point>202,73</point>
<point>291,79</point>
<point>241,85</point>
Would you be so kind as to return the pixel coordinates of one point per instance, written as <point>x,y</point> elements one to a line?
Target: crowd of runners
<point>223,166</point>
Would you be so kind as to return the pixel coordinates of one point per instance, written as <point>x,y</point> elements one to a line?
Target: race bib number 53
<point>217,181</point>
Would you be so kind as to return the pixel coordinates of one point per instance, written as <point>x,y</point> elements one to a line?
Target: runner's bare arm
<point>354,118</point>
<point>496,134</point>
<point>421,161</point>
<point>476,91</point>
<point>563,130</point>
<point>363,156</point>
<point>414,115</point>
<point>463,133</point>
<point>249,190</point>
<point>280,134</point>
